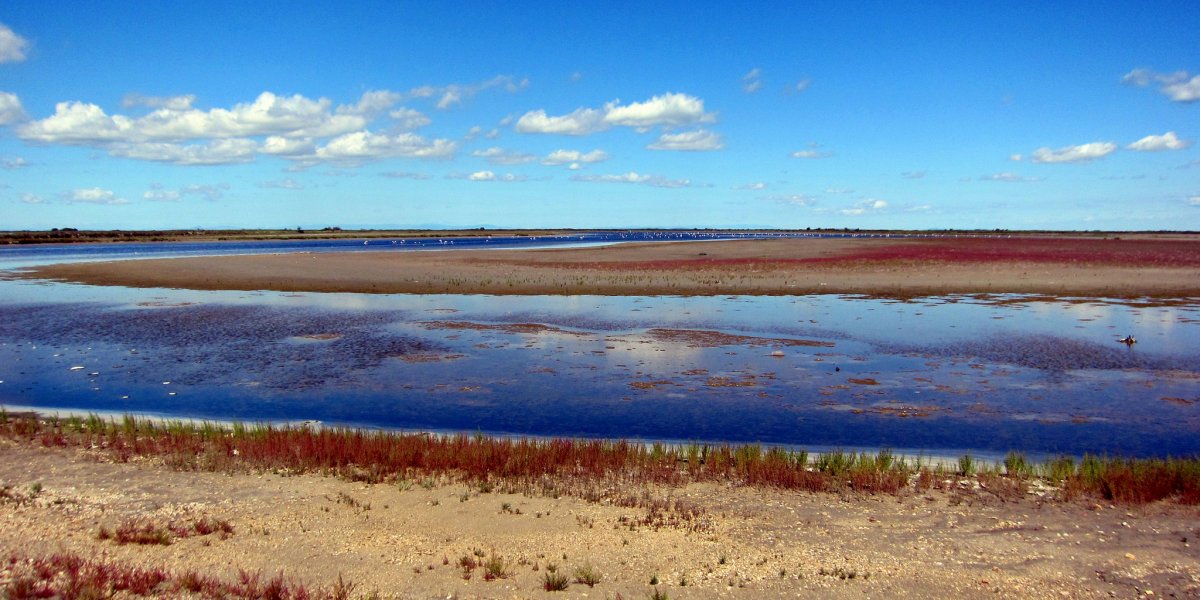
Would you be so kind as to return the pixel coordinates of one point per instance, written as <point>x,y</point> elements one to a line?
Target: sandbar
<point>1135,266</point>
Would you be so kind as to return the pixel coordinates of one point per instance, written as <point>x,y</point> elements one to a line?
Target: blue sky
<point>560,114</point>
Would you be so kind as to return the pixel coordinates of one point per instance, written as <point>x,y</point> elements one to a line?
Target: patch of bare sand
<point>885,267</point>
<point>754,543</point>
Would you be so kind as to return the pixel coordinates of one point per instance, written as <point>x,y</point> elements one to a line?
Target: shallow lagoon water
<point>944,374</point>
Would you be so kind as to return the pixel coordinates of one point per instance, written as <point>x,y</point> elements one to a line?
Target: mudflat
<point>1110,266</point>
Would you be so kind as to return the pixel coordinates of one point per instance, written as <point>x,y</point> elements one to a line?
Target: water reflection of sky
<point>939,373</point>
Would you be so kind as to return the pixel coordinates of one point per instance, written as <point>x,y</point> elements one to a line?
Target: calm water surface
<point>944,374</point>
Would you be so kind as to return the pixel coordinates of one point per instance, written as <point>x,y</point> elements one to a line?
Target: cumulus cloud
<point>870,205</point>
<point>362,146</point>
<point>456,94</point>
<point>1155,143</point>
<point>93,196</point>
<point>1194,200</point>
<point>698,140</point>
<point>216,152</point>
<point>574,158</point>
<point>281,146</point>
<point>757,185</point>
<point>295,128</point>
<point>667,110</point>
<point>406,175</point>
<point>29,198</point>
<point>283,184</point>
<point>210,192</point>
<point>10,163</point>
<point>371,104</point>
<point>1083,153</point>
<point>80,123</point>
<point>811,153</point>
<point>636,178</point>
<point>1008,177</point>
<point>12,46</point>
<point>489,176</point>
<point>838,191</point>
<point>794,199</point>
<point>582,121</point>
<point>500,156</point>
<point>10,109</point>
<point>752,81</point>
<point>168,102</point>
<point>409,119</point>
<point>1179,86</point>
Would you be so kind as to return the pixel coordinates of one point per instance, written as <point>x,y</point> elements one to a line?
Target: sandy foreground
<point>1145,265</point>
<point>406,541</point>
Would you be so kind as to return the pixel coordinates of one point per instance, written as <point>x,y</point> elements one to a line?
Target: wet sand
<point>1145,265</point>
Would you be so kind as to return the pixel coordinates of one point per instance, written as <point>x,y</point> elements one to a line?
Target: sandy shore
<point>407,541</point>
<point>1146,266</point>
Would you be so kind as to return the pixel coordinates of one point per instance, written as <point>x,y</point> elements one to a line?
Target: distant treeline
<point>67,235</point>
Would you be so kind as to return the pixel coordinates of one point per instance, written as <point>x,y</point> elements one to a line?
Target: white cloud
<point>28,198</point>
<point>10,109</point>
<point>216,152</point>
<point>794,199</point>
<point>12,46</point>
<point>1179,86</point>
<point>13,162</point>
<point>582,121</point>
<point>363,146</point>
<point>284,184</point>
<point>456,94</point>
<point>698,140</point>
<point>409,119</point>
<point>1015,157</point>
<point>1155,143</point>
<point>211,192</point>
<point>1194,200</point>
<point>867,206</point>
<point>79,123</point>
<point>756,186</point>
<point>93,196</point>
<point>802,85</point>
<point>634,177</point>
<point>500,156</point>
<point>372,104</point>
<point>1083,153</point>
<point>281,146</point>
<point>489,176</point>
<point>913,174</point>
<point>158,193</point>
<point>406,175</point>
<point>838,191</point>
<point>752,81</point>
<point>575,157</point>
<point>1008,177</point>
<point>667,110</point>
<point>168,102</point>
<point>811,153</point>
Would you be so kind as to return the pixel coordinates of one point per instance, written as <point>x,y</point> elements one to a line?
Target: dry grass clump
<point>65,575</point>
<point>143,532</point>
<point>579,467</point>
